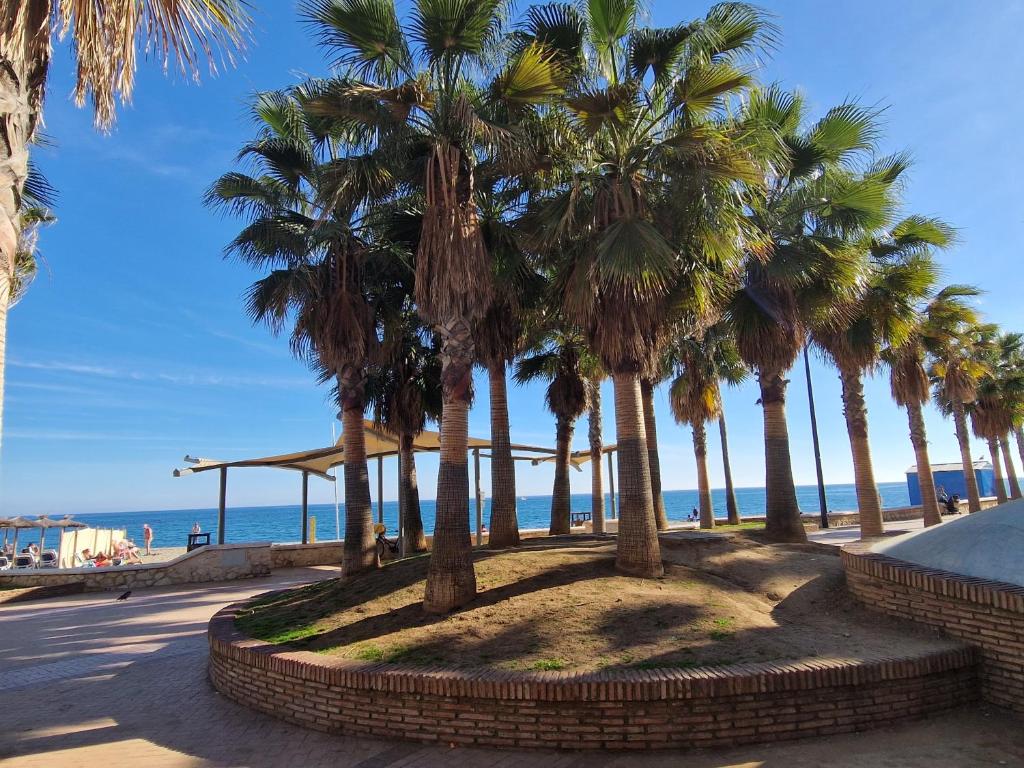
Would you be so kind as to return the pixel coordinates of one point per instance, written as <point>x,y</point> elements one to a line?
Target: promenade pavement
<point>88,681</point>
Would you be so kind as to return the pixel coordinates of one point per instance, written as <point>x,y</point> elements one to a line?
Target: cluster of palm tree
<point>584,197</point>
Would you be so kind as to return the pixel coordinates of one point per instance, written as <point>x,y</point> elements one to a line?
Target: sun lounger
<point>48,559</point>
<point>24,562</point>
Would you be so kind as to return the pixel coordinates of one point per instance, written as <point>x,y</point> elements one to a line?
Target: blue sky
<point>132,348</point>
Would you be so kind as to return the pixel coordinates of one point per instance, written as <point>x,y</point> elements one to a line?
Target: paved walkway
<point>87,681</point>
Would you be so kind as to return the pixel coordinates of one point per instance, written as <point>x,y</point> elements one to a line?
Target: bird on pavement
<point>125,595</point>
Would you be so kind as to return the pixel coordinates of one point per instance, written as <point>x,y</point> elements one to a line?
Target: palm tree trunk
<point>1018,432</point>
<point>451,580</point>
<point>700,453</point>
<point>1011,472</point>
<point>594,435</point>
<point>731,507</point>
<point>964,440</point>
<point>856,412</point>
<point>653,460</point>
<point>360,550</point>
<point>997,470</point>
<point>782,513</point>
<point>560,501</point>
<point>918,438</point>
<point>412,529</point>
<point>17,119</point>
<point>504,523</point>
<point>5,303</point>
<point>638,552</point>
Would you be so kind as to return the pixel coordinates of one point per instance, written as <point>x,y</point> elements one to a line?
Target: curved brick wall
<point>986,614</point>
<point>614,710</point>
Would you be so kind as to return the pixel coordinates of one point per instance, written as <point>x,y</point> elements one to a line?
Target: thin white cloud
<point>64,367</point>
<point>59,435</point>
<point>178,378</point>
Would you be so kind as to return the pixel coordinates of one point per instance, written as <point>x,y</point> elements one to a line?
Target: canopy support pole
<point>380,490</point>
<point>305,507</point>
<point>479,498</point>
<point>223,504</point>
<point>401,508</point>
<point>611,483</point>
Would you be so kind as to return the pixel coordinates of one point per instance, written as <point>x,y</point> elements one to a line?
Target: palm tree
<point>954,373</point>
<point>36,200</point>
<point>647,387</point>
<point>695,400</point>
<point>561,359</point>
<point>404,391</point>
<point>1000,394</point>
<point>412,95</point>
<point>941,319</point>
<point>651,199</point>
<point>883,311</point>
<point>104,37</point>
<point>815,202</point>
<point>319,261</point>
<point>733,372</point>
<point>596,443</point>
<point>500,334</point>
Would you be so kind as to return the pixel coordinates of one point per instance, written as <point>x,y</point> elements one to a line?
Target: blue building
<point>950,477</point>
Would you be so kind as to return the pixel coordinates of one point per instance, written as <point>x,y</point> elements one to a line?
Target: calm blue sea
<point>283,523</point>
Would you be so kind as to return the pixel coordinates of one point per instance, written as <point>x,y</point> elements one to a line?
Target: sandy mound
<point>559,604</point>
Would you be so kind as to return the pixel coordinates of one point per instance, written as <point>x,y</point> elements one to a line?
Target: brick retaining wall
<point>711,706</point>
<point>986,614</point>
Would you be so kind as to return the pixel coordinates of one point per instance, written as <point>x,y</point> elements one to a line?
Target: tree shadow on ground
<point>413,615</point>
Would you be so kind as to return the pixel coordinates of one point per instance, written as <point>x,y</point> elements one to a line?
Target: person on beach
<point>147,536</point>
<point>196,528</point>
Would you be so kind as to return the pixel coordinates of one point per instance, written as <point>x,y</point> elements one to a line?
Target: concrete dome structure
<point>986,545</point>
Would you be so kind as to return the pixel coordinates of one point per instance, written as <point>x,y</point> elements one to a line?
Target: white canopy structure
<point>379,445</point>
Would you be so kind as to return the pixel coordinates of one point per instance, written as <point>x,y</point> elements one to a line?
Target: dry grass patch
<point>558,604</point>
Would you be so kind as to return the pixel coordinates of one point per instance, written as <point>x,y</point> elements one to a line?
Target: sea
<point>283,524</point>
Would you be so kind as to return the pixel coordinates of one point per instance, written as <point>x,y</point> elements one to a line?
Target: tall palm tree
<point>954,373</point>
<point>651,194</point>
<point>319,260</point>
<point>500,334</point>
<point>733,372</point>
<point>815,201</point>
<point>560,357</point>
<point>404,391</point>
<point>104,37</point>
<point>36,201</point>
<point>940,320</point>
<point>647,386</point>
<point>900,274</point>
<point>999,400</point>
<point>695,400</point>
<point>416,95</point>
<point>596,444</point>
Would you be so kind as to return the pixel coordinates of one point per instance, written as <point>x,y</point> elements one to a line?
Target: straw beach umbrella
<point>17,523</point>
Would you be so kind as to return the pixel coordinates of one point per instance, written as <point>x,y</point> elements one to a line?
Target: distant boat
<point>522,498</point>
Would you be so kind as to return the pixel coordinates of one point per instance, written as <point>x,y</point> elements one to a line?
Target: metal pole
<point>305,507</point>
<point>479,499</point>
<point>822,501</point>
<point>223,504</point>
<point>380,490</point>
<point>611,482</point>
<point>337,514</point>
<point>401,508</point>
